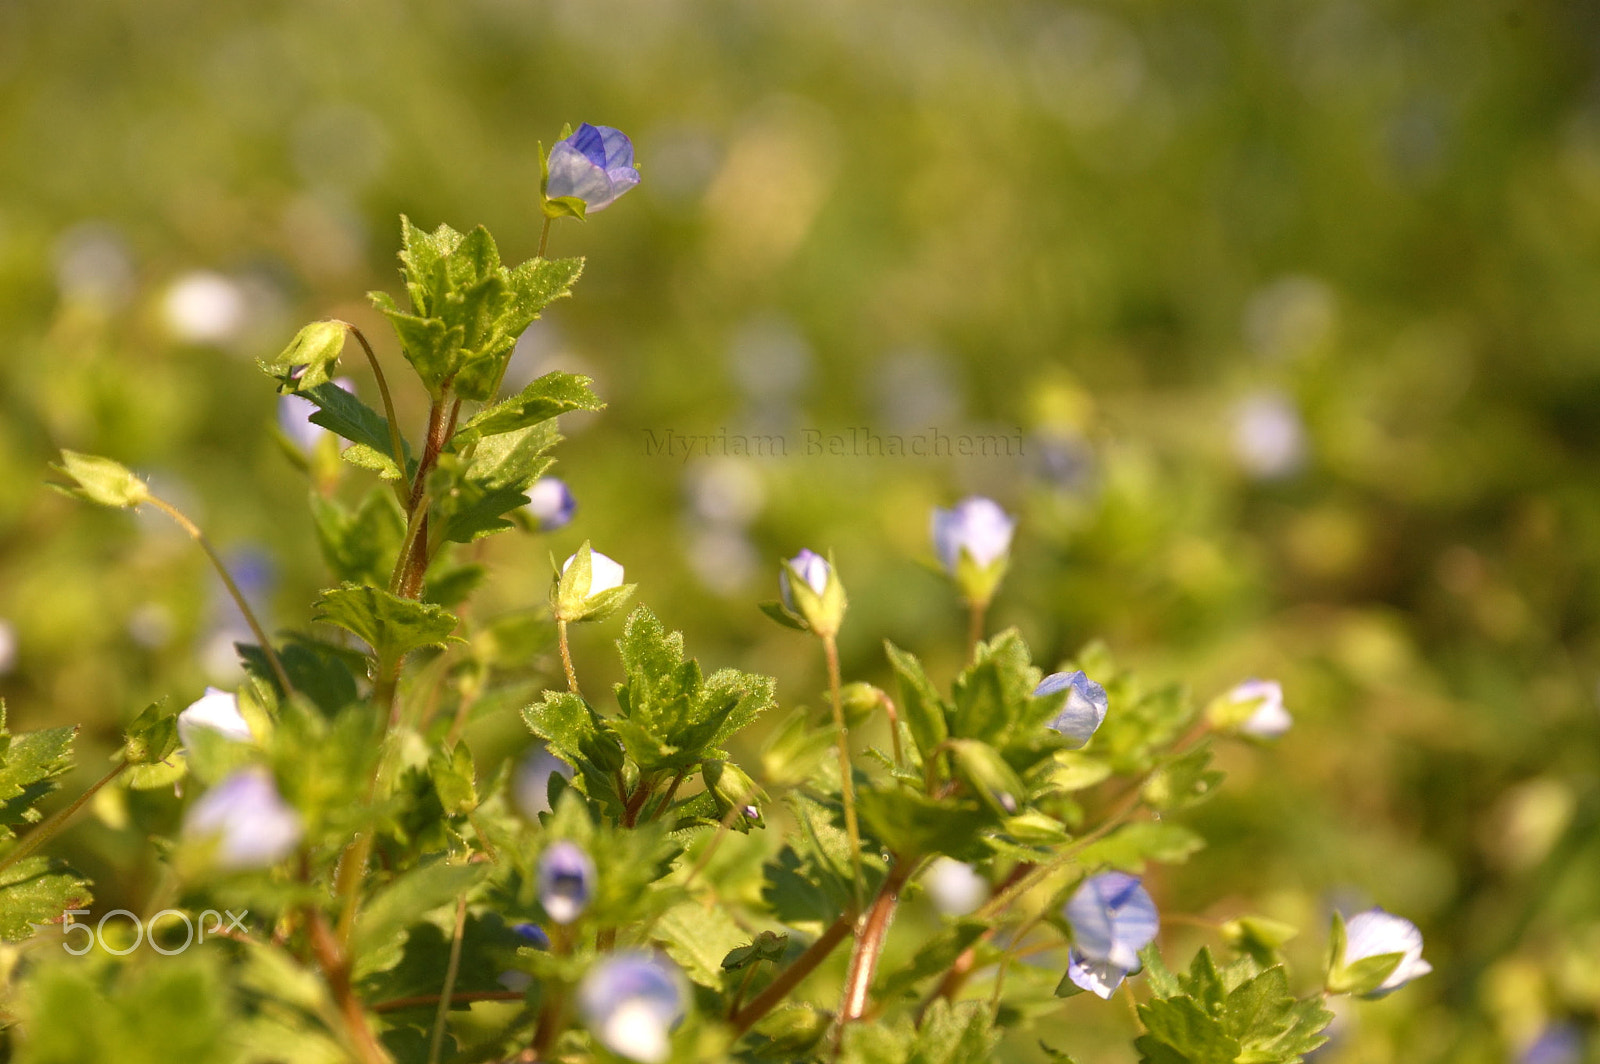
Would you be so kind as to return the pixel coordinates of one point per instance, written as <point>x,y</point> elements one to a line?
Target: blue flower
<point>1098,977</point>
<point>530,787</point>
<point>632,1001</point>
<point>813,569</point>
<point>532,934</point>
<point>216,711</point>
<point>551,504</point>
<point>1560,1043</point>
<point>975,525</point>
<point>1268,719</point>
<point>1112,918</point>
<point>246,820</point>
<point>566,881</point>
<point>594,165</point>
<point>294,416</point>
<point>1085,708</point>
<point>1376,932</point>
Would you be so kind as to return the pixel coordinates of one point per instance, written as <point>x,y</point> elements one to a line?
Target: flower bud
<point>973,542</point>
<point>550,504</point>
<point>589,587</point>
<point>1112,918</point>
<point>246,820</point>
<point>733,789</point>
<point>1253,708</point>
<point>1084,710</point>
<point>632,1001</point>
<point>566,881</point>
<point>530,788</point>
<point>812,593</point>
<point>593,166</point>
<point>1371,934</point>
<point>217,711</point>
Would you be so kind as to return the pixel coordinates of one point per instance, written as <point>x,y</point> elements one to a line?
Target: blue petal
<point>590,142</point>
<point>617,147</point>
<point>1097,977</point>
<point>1113,918</point>
<point>573,174</point>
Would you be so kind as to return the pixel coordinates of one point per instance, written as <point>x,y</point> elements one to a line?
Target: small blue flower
<point>566,881</point>
<point>594,165</point>
<point>632,1001</point>
<point>1376,932</point>
<point>532,934</point>
<point>551,504</point>
<point>294,416</point>
<point>975,525</point>
<point>1085,708</point>
<point>1559,1043</point>
<point>1269,719</point>
<point>216,711</point>
<point>1112,918</point>
<point>247,821</point>
<point>812,567</point>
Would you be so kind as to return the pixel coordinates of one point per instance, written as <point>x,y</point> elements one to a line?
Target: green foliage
<point>1236,1015</point>
<point>31,766</point>
<point>392,626</point>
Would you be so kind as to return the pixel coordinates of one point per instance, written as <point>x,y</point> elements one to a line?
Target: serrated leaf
<point>698,937</point>
<point>1186,1031</point>
<point>392,626</point>
<point>920,705</point>
<point>360,545</point>
<point>310,357</point>
<point>1183,781</point>
<point>37,890</point>
<point>343,414</point>
<point>30,765</point>
<point>545,398</point>
<point>378,937</point>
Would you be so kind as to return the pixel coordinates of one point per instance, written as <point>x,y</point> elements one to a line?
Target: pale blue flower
<point>812,567</point>
<point>1112,918</point>
<point>975,524</point>
<point>955,887</point>
<point>247,821</point>
<point>632,1001</point>
<point>1085,708</point>
<point>530,787</point>
<point>294,416</point>
<point>217,711</point>
<point>1098,977</point>
<point>1559,1043</point>
<point>532,934</point>
<point>551,504</point>
<point>595,165</point>
<point>566,881</point>
<point>1376,932</point>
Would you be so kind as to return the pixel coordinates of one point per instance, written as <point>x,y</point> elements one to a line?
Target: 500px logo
<point>195,930</point>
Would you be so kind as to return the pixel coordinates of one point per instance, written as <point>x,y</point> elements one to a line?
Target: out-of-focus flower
<point>954,887</point>
<point>93,265</point>
<point>532,934</point>
<point>632,1001</point>
<point>1254,708</point>
<point>566,881</point>
<point>1085,708</point>
<point>204,308</point>
<point>973,542</point>
<point>1112,918</point>
<point>294,416</point>
<point>594,165</point>
<point>246,819</point>
<point>1268,436</point>
<point>1098,977</point>
<point>1374,933</point>
<point>1559,1043</point>
<point>551,504</point>
<point>531,785</point>
<point>812,568</point>
<point>216,711</point>
<point>8,647</point>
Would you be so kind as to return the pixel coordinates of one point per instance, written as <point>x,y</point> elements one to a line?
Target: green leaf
<point>920,705</point>
<point>37,890</point>
<point>537,283</point>
<point>30,765</point>
<point>1183,781</point>
<point>455,779</point>
<point>101,480</point>
<point>698,937</point>
<point>360,546</point>
<point>767,946</point>
<point>378,937</point>
<point>545,398</point>
<point>392,626</point>
<point>310,357</point>
<point>1130,846</point>
<point>343,414</point>
<point>512,459</point>
<point>1186,1032</point>
<point>1258,936</point>
<point>934,958</point>
<point>912,824</point>
<point>955,1034</point>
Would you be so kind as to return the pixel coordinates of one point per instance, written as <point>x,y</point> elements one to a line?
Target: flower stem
<point>336,969</point>
<point>396,444</point>
<point>566,656</point>
<point>465,997</point>
<point>451,970</point>
<point>976,611</point>
<point>233,589</point>
<point>869,943</point>
<point>779,989</point>
<point>847,789</point>
<point>47,829</point>
<point>544,235</point>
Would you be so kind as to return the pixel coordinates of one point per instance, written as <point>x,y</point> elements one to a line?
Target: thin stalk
<point>552,1012</point>
<point>414,525</point>
<point>779,989</point>
<point>670,793</point>
<point>451,970</point>
<point>894,729</point>
<point>976,612</point>
<point>233,589</point>
<point>847,788</point>
<point>566,656</point>
<point>396,443</point>
<point>336,969</point>
<point>47,829</point>
<point>544,235</point>
<point>465,997</point>
<point>869,943</point>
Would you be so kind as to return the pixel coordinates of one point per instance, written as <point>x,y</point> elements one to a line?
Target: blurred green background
<point>1291,309</point>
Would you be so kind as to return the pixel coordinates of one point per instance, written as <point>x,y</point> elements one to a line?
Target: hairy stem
<point>544,235</point>
<point>47,829</point>
<point>779,989</point>
<point>336,969</point>
<point>847,789</point>
<point>233,589</point>
<point>869,943</point>
<point>566,656</point>
<point>396,444</point>
<point>976,612</point>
